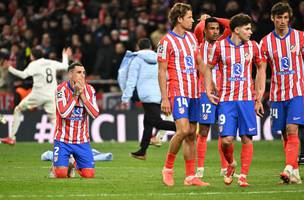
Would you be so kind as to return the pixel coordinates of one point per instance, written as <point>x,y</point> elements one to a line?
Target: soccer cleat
<point>8,140</point>
<point>195,181</point>
<point>285,176</point>
<point>228,178</point>
<point>200,172</point>
<point>223,171</point>
<point>295,177</point>
<point>168,177</point>
<point>242,181</point>
<point>295,180</point>
<point>155,141</point>
<point>138,155</point>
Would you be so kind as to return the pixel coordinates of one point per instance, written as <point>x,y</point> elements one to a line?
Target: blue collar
<point>231,42</point>
<point>176,35</point>
<point>69,85</point>
<point>277,36</point>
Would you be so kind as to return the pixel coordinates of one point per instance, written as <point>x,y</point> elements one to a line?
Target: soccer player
<point>178,57</point>
<point>43,72</point>
<point>208,31</point>
<point>284,48</point>
<point>236,107</point>
<point>75,101</point>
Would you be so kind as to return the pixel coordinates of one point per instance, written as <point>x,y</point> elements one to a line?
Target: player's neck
<point>210,41</point>
<point>236,39</point>
<point>281,32</point>
<point>179,30</point>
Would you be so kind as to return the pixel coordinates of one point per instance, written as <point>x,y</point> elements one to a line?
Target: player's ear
<point>237,30</point>
<point>272,18</point>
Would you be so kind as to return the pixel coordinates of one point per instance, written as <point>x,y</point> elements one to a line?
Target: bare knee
<point>291,129</point>
<point>61,172</point>
<point>204,130</point>
<point>246,139</point>
<point>227,141</point>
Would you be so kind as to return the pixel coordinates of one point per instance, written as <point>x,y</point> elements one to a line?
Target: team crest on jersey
<point>247,56</point>
<point>205,116</point>
<point>55,158</point>
<point>220,129</point>
<point>181,110</point>
<point>293,48</point>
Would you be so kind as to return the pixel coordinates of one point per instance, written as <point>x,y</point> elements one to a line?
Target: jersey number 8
<point>49,75</point>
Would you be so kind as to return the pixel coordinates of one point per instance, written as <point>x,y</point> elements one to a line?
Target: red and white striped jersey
<point>180,53</point>
<point>235,66</point>
<point>72,114</point>
<point>205,49</point>
<point>285,56</point>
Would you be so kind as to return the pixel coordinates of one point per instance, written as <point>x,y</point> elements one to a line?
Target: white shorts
<point>35,99</point>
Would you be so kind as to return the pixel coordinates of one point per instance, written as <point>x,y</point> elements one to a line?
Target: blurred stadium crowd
<point>99,32</point>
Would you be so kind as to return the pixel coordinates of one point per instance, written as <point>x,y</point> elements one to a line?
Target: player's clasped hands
<point>79,86</point>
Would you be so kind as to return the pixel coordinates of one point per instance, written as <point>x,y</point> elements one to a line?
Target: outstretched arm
<point>18,73</point>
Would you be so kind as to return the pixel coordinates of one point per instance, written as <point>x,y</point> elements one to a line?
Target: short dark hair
<point>37,53</point>
<point>178,10</point>
<point>239,20</point>
<point>73,65</point>
<point>281,8</point>
<point>144,43</point>
<point>210,20</point>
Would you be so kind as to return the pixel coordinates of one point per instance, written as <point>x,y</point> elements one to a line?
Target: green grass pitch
<point>24,176</point>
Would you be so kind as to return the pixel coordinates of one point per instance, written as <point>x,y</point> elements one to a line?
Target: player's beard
<point>187,28</point>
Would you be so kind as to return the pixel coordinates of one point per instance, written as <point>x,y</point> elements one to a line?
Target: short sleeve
<point>215,54</point>
<point>263,49</point>
<point>257,55</point>
<point>163,51</point>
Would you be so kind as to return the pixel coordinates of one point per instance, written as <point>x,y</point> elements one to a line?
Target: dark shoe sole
<point>138,157</point>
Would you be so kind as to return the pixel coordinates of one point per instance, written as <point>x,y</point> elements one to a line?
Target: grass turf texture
<point>24,176</point>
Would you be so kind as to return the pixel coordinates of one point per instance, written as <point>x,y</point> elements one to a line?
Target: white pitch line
<point>149,194</point>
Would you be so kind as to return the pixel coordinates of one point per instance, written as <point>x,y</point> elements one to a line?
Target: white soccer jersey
<point>43,72</point>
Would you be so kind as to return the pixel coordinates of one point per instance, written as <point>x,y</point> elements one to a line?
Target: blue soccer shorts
<point>286,112</point>
<point>237,115</point>
<point>207,110</point>
<point>82,154</point>
<point>184,107</point>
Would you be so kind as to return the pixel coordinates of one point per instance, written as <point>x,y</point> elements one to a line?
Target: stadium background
<point>99,33</point>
